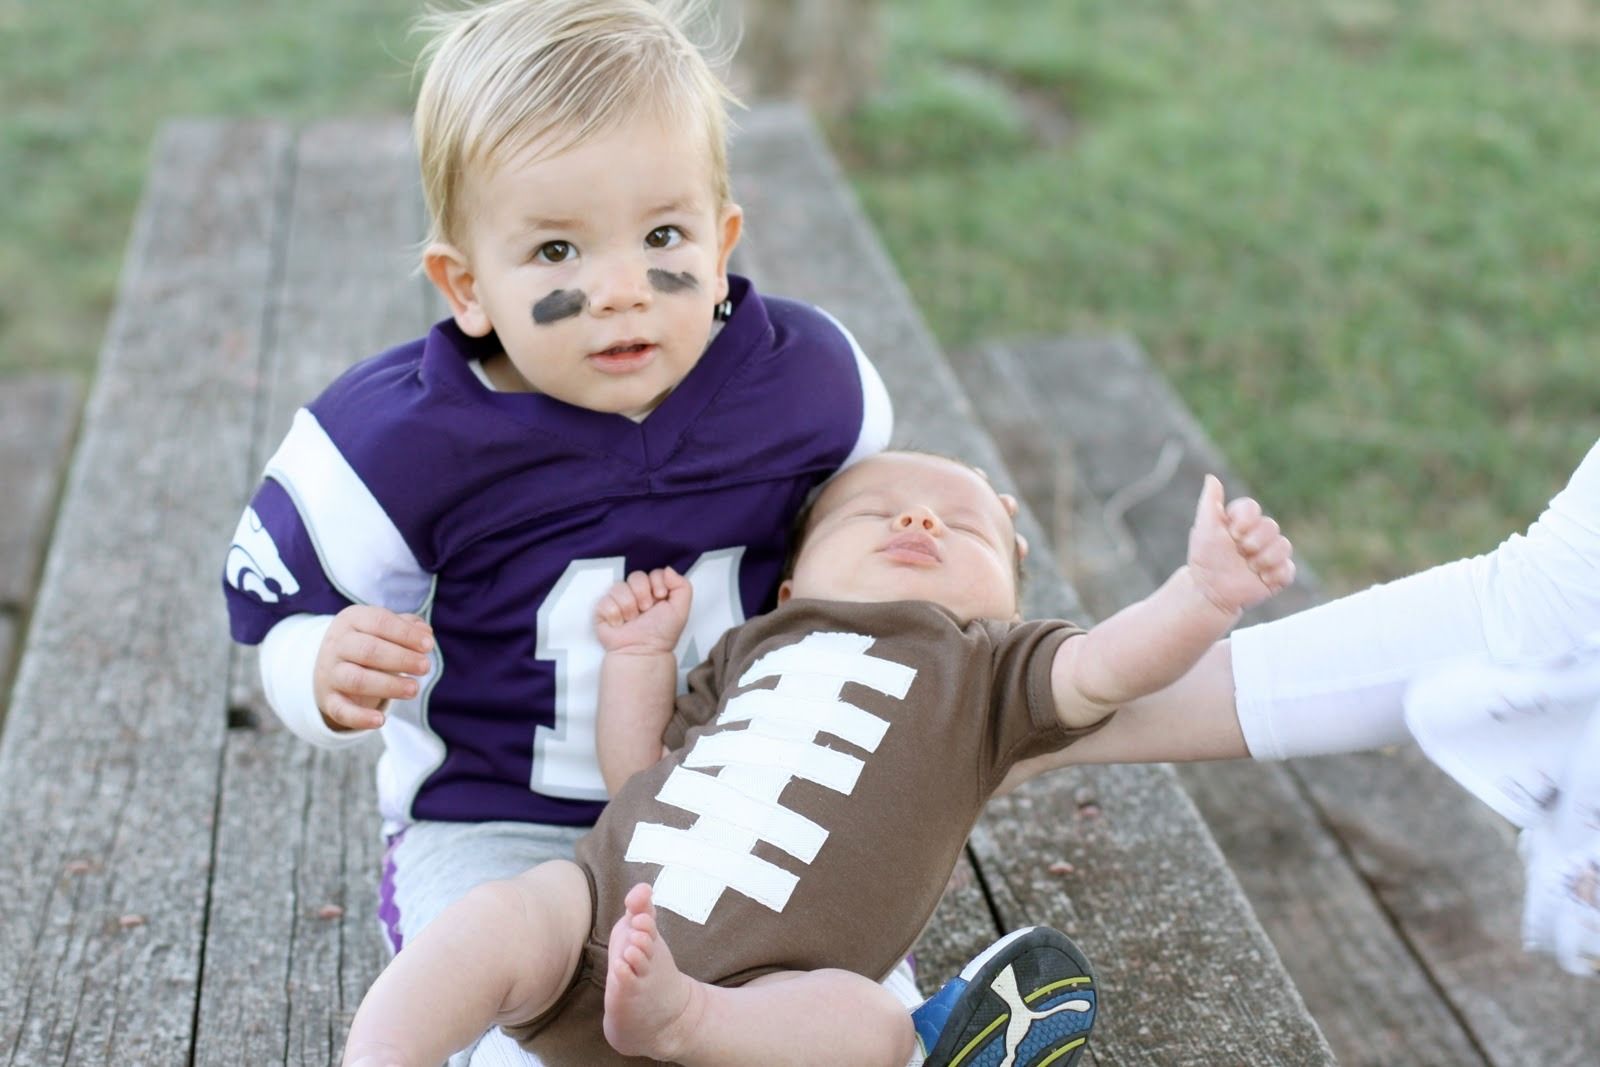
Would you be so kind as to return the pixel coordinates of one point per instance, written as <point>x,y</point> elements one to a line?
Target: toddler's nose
<point>622,287</point>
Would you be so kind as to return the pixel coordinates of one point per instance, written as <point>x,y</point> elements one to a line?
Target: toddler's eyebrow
<point>534,225</point>
<point>673,207</point>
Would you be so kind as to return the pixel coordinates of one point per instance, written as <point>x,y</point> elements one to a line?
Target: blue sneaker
<point>1026,1001</point>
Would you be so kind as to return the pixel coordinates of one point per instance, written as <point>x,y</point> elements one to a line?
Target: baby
<point>824,770</point>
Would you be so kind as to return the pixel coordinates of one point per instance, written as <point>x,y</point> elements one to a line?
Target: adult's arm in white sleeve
<point>288,659</point>
<point>1333,679</point>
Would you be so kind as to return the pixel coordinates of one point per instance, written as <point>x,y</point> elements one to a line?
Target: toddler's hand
<point>1236,554</point>
<point>369,656</point>
<point>644,613</point>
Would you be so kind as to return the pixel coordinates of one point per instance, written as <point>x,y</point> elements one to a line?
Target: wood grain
<point>113,744</point>
<point>346,291</point>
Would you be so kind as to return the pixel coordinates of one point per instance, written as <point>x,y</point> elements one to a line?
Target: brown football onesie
<point>829,760</point>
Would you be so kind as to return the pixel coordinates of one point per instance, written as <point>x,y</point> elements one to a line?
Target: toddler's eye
<point>554,252</point>
<point>663,237</point>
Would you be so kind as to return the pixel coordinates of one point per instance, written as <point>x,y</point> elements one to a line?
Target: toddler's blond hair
<point>503,75</point>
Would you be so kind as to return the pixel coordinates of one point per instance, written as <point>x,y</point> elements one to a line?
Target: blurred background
<point>1361,239</point>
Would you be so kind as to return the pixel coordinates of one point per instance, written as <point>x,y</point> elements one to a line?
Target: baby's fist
<point>644,612</point>
<point>1238,555</point>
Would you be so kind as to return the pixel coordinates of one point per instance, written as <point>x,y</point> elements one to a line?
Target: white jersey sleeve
<point>1333,679</point>
<point>877,413</point>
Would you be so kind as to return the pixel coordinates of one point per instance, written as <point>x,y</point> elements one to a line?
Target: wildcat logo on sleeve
<point>254,565</point>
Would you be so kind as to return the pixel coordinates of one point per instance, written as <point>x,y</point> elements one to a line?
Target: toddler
<point>424,552</point>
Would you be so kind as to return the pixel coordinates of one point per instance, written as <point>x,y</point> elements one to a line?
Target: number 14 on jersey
<point>564,760</point>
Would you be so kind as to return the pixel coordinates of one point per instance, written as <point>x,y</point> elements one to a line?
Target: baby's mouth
<point>912,547</point>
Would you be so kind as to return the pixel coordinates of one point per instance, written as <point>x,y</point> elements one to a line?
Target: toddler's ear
<point>447,267</point>
<point>731,226</point>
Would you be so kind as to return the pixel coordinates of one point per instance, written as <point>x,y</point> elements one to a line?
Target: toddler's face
<point>904,526</point>
<point>600,268</point>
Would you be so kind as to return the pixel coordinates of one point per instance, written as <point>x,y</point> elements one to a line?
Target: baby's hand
<point>369,656</point>
<point>1236,554</point>
<point>644,613</point>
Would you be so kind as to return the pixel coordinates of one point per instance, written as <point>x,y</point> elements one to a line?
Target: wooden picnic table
<point>189,883</point>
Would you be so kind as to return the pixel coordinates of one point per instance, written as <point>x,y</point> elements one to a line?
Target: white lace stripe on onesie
<point>1333,679</point>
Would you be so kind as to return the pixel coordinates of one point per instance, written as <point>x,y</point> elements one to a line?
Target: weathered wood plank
<point>295,896</point>
<point>38,417</point>
<point>808,238</point>
<point>8,649</point>
<point>1114,850</point>
<point>1439,869</point>
<point>1446,868</point>
<point>113,743</point>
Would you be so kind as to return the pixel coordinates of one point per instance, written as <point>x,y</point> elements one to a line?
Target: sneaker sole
<point>1037,970</point>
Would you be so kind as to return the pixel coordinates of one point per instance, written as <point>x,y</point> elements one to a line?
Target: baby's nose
<point>918,518</point>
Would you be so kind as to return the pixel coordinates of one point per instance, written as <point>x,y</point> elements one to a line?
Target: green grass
<point>1358,239</point>
<point>84,86</point>
<point>1356,235</point>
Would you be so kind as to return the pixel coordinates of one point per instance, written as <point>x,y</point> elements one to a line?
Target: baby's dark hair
<point>800,528</point>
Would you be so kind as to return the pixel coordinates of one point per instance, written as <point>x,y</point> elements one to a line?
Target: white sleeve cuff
<point>288,657</point>
<point>1333,679</point>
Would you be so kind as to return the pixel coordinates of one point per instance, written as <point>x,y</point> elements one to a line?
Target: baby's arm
<point>499,955</point>
<point>1333,678</point>
<point>1237,558</point>
<point>638,623</point>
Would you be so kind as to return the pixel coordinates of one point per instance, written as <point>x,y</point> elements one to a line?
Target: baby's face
<point>599,268</point>
<point>904,526</point>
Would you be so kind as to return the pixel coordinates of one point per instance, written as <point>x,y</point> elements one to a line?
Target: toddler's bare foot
<point>650,1004</point>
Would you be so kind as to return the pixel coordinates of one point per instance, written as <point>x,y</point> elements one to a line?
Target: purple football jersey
<point>503,517</point>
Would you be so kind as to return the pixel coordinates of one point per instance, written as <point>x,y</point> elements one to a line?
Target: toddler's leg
<point>501,954</point>
<point>430,865</point>
<point>655,1010</point>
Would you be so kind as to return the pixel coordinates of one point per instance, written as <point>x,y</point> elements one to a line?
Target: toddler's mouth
<point>627,348</point>
<point>627,356</point>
